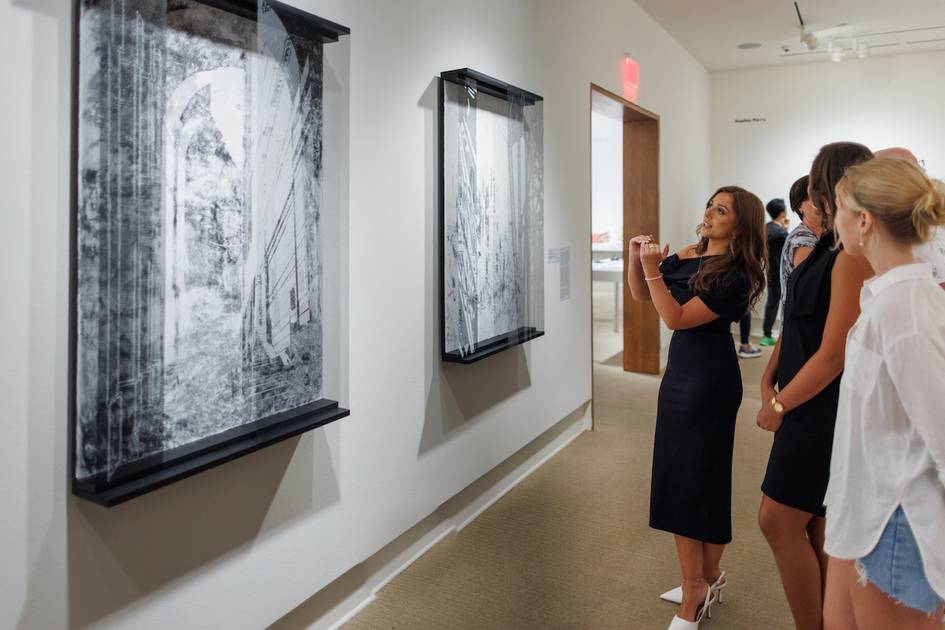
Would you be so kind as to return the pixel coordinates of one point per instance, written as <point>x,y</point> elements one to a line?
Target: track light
<point>837,52</point>
<point>809,40</point>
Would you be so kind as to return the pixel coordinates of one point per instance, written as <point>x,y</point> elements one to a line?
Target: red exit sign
<point>631,78</point>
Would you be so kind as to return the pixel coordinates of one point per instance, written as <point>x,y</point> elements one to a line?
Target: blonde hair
<point>898,194</point>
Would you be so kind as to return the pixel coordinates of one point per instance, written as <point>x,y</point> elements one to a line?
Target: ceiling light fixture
<point>807,38</point>
<point>857,47</point>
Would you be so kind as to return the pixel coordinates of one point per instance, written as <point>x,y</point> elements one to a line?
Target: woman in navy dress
<point>698,293</point>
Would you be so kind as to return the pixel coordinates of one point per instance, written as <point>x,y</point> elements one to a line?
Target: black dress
<point>701,391</point>
<point>799,465</point>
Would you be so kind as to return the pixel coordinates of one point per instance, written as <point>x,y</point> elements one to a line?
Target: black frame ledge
<point>153,472</point>
<point>297,21</point>
<point>494,345</point>
<point>490,85</point>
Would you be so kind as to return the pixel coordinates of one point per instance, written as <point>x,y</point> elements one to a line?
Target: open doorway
<point>624,202</point>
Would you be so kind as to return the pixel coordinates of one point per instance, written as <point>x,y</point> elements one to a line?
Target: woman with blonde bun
<point>886,496</point>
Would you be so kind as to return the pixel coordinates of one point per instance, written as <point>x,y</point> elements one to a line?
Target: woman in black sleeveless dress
<point>699,293</point>
<point>822,305</point>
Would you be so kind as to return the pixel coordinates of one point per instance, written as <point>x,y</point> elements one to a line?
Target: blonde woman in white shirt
<point>886,497</point>
<point>931,251</point>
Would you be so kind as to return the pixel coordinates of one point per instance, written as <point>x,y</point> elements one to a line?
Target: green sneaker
<point>767,341</point>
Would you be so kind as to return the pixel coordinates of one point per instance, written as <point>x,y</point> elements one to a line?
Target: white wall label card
<point>564,260</point>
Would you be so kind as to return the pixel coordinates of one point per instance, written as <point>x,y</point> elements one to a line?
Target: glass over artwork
<point>492,216</point>
<point>211,171</point>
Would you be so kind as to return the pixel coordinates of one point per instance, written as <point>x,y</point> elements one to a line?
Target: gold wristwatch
<point>776,404</point>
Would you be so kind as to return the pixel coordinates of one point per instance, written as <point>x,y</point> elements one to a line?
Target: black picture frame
<point>482,83</point>
<point>160,469</point>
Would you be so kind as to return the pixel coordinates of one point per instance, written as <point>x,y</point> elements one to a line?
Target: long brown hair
<point>831,163</point>
<point>746,252</point>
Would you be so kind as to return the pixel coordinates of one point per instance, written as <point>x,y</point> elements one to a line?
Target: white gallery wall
<point>793,110</point>
<point>241,545</point>
<point>607,176</point>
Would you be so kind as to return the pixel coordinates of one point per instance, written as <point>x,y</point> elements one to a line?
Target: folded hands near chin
<point>649,253</point>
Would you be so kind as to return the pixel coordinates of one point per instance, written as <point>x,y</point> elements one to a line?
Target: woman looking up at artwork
<point>821,305</point>
<point>886,497</point>
<point>698,293</point>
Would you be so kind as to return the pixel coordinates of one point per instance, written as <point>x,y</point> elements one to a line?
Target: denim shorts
<point>895,567</point>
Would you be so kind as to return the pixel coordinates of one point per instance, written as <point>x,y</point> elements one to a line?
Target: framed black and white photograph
<point>491,215</point>
<point>209,208</point>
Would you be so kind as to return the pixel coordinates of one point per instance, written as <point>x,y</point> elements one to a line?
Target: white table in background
<point>610,271</point>
<point>606,250</point>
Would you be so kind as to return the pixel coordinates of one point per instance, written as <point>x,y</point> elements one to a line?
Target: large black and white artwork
<point>492,215</point>
<point>207,213</point>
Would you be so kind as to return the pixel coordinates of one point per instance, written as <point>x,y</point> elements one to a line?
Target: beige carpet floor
<point>570,546</point>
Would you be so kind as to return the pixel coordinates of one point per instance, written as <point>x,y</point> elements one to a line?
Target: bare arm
<point>638,289</point>
<point>679,316</point>
<point>676,316</point>
<point>825,365</point>
<point>801,254</point>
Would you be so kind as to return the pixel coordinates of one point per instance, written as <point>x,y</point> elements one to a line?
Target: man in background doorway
<point>776,232</point>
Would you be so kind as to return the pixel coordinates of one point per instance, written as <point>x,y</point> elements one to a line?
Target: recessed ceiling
<point>712,31</point>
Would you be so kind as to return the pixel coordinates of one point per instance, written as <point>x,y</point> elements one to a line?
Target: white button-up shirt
<point>889,442</point>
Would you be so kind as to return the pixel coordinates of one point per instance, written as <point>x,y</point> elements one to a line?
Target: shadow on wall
<point>455,394</point>
<point>81,562</point>
<point>162,536</point>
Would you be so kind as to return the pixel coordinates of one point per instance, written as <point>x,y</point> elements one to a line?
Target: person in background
<point>698,293</point>
<point>886,496</point>
<point>805,366</point>
<point>801,241</point>
<point>745,349</point>
<point>775,233</point>
<point>931,251</point>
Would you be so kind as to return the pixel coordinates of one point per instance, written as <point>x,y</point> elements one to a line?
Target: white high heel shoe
<point>674,596</point>
<point>679,623</point>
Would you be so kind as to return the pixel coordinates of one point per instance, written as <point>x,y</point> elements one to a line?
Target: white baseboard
<point>340,601</point>
<point>520,478</point>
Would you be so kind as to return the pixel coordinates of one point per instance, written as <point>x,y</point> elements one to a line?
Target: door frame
<point>641,153</point>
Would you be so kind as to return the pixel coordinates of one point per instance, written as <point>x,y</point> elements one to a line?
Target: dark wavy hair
<point>829,166</point>
<point>747,251</point>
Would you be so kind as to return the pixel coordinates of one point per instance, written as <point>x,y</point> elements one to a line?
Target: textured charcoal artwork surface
<point>492,218</point>
<point>198,290</point>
